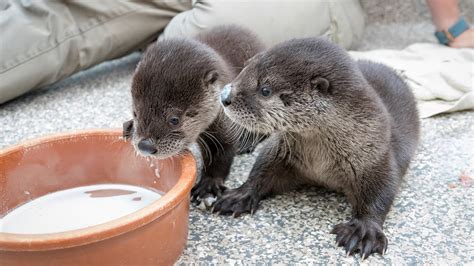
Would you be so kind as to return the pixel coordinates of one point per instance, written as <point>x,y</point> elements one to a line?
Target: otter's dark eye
<point>174,121</point>
<point>134,114</point>
<point>266,91</point>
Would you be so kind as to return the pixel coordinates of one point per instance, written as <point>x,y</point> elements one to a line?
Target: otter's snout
<point>146,146</point>
<point>226,95</point>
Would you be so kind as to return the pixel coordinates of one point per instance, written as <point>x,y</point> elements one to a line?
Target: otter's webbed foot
<point>237,201</point>
<point>207,187</point>
<point>363,236</point>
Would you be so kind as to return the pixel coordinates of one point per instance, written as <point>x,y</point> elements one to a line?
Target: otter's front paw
<point>237,201</point>
<point>207,187</point>
<point>360,235</point>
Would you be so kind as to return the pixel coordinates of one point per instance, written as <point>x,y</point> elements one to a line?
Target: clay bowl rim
<point>130,222</point>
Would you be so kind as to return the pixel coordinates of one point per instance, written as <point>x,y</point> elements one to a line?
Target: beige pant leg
<point>341,21</point>
<point>42,41</point>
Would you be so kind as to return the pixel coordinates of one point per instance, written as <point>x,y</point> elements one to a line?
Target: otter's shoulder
<point>234,43</point>
<point>396,96</point>
<point>230,35</point>
<point>393,90</point>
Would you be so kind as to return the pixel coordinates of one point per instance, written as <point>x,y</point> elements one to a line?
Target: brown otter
<point>175,94</point>
<point>350,126</point>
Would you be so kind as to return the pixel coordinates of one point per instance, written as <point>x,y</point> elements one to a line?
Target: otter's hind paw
<point>236,202</point>
<point>362,236</point>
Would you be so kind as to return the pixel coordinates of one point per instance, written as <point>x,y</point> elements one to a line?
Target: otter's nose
<point>146,146</point>
<point>226,95</point>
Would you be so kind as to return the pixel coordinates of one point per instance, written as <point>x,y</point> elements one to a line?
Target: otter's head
<point>287,87</point>
<point>175,92</point>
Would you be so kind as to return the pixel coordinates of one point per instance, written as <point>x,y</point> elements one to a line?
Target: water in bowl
<point>77,208</point>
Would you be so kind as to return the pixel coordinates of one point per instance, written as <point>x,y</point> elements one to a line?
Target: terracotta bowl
<point>154,235</point>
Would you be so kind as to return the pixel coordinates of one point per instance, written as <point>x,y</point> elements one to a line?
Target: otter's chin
<point>160,153</point>
<point>252,125</point>
<point>167,153</point>
<point>236,119</point>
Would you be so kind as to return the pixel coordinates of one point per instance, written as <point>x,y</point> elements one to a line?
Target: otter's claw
<point>236,202</point>
<point>207,187</point>
<point>362,236</point>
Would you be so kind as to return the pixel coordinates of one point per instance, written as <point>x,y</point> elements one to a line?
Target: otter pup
<point>175,94</point>
<point>350,126</point>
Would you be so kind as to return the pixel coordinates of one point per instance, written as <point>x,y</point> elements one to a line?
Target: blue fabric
<point>457,29</point>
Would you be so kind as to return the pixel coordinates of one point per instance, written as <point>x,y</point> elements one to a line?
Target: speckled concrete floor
<point>432,220</point>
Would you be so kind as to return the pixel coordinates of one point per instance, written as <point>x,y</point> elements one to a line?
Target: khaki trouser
<point>44,41</point>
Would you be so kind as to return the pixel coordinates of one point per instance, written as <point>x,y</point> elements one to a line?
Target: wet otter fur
<point>175,95</point>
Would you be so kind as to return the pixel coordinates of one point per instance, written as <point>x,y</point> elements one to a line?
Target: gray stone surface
<point>432,220</point>
<point>406,11</point>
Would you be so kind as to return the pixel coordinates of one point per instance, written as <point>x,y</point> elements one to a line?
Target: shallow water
<point>77,208</point>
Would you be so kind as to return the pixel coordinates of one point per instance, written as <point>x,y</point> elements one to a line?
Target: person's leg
<point>45,41</point>
<point>274,22</point>
<point>445,13</point>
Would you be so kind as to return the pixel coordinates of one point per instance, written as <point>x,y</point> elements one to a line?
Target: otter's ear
<point>321,85</point>
<point>211,77</point>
